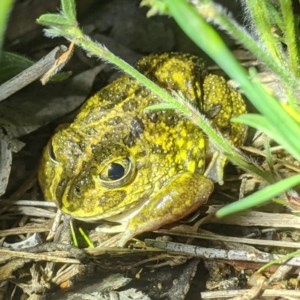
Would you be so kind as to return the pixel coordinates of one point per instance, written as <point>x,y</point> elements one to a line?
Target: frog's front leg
<point>182,195</point>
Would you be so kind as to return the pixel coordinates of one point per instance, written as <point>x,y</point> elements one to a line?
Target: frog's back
<point>117,114</point>
<point>173,71</point>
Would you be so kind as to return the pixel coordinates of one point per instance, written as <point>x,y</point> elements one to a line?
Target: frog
<point>121,162</point>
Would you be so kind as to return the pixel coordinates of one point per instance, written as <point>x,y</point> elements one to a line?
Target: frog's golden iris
<point>120,162</point>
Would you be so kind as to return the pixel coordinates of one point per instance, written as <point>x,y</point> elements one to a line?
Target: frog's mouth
<point>119,221</point>
<point>120,215</point>
<point>129,213</point>
<point>97,202</point>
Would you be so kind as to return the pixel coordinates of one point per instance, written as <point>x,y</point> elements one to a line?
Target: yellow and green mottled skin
<point>162,155</point>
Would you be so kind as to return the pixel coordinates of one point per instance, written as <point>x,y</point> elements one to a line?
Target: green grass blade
<point>73,234</point>
<point>161,106</point>
<point>5,8</point>
<point>260,197</point>
<point>12,64</point>
<point>290,35</point>
<point>259,122</point>
<point>223,20</point>
<point>280,260</point>
<point>86,238</point>
<point>261,17</point>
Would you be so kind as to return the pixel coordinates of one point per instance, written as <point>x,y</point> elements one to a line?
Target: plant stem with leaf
<point>62,25</point>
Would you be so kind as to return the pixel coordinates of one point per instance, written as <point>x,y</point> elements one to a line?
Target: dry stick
<point>285,294</point>
<point>241,240</point>
<point>210,253</point>
<point>40,256</point>
<point>31,74</point>
<point>37,203</point>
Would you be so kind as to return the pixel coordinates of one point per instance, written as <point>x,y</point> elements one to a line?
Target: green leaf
<point>261,123</point>
<point>161,106</point>
<point>53,32</point>
<point>12,64</point>
<point>256,121</point>
<point>53,20</point>
<point>157,7</point>
<point>260,197</point>
<point>61,76</point>
<point>69,10</point>
<point>5,8</point>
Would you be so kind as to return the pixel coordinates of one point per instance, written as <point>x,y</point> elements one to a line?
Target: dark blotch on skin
<point>152,116</point>
<point>157,149</point>
<point>140,155</point>
<point>141,93</point>
<point>72,207</point>
<point>130,106</point>
<point>111,199</point>
<point>115,95</point>
<point>114,121</point>
<point>137,127</point>
<point>106,107</point>
<point>226,131</point>
<point>129,140</point>
<point>91,132</point>
<point>60,190</point>
<point>171,119</point>
<point>213,111</point>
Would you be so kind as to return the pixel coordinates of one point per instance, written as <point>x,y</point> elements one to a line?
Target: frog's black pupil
<point>115,171</point>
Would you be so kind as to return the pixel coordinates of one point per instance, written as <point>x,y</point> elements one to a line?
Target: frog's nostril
<point>77,191</point>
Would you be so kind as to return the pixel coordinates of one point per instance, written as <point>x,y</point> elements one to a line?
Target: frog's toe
<point>118,240</point>
<point>215,169</point>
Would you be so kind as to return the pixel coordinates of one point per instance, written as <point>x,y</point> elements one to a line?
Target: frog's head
<point>95,183</point>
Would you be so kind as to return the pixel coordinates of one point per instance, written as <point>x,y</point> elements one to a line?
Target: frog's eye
<point>51,153</point>
<point>117,173</point>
